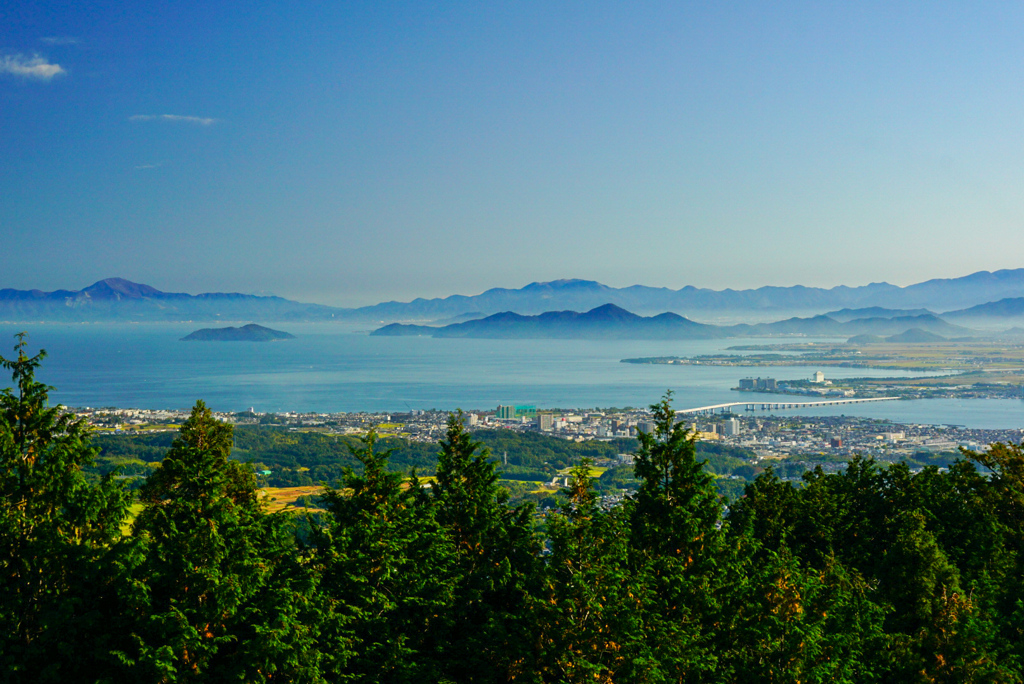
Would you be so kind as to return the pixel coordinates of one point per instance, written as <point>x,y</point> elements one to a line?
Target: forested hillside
<point>872,574</point>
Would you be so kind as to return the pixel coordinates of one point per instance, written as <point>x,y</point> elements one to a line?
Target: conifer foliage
<point>386,565</point>
<point>55,531</point>
<point>496,563</point>
<point>676,546</point>
<point>594,625</point>
<point>225,598</point>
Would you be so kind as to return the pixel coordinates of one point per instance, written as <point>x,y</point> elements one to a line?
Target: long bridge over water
<point>776,405</point>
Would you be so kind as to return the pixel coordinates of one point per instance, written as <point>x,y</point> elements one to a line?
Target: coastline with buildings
<point>768,436</point>
<point>992,385</point>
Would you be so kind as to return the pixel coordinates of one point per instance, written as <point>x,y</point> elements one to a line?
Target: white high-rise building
<point>731,427</point>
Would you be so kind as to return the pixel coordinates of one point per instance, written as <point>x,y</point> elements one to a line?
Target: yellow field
<point>280,498</point>
<point>594,471</point>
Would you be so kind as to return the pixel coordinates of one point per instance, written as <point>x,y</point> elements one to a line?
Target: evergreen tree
<point>676,546</point>
<point>497,565</point>
<point>786,621</point>
<point>766,512</point>
<point>55,531</point>
<point>388,568</point>
<point>224,596</point>
<point>593,623</point>
<point>995,522</point>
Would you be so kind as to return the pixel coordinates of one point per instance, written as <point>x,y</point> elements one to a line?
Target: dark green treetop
<point>497,567</point>
<point>387,566</point>
<point>55,530</point>
<point>227,598</point>
<point>594,626</point>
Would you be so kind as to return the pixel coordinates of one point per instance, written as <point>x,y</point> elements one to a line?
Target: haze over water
<point>332,368</point>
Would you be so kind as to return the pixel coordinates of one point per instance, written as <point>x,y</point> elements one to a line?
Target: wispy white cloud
<point>142,167</point>
<point>30,67</point>
<point>60,40</point>
<point>198,120</point>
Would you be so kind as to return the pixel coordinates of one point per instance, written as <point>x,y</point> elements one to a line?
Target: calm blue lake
<point>330,367</point>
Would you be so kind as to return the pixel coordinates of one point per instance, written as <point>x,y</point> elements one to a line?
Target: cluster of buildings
<point>580,424</point>
<point>767,436</point>
<point>758,385</point>
<point>127,420</point>
<point>997,385</point>
<point>416,425</point>
<point>844,436</point>
<point>816,386</point>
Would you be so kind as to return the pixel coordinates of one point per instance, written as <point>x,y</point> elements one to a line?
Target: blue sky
<point>348,153</point>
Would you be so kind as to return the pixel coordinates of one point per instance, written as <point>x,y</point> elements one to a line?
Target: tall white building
<point>731,427</point>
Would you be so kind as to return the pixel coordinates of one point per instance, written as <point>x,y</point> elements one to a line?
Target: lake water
<point>331,368</point>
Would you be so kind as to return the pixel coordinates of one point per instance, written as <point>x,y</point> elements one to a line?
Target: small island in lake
<point>247,333</point>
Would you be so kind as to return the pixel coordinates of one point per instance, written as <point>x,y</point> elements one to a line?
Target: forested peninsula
<point>871,574</point>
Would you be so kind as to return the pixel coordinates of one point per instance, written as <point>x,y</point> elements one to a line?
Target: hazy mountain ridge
<point>1003,308</point>
<point>612,322</point>
<point>915,336</point>
<point>582,295</point>
<point>827,326</point>
<point>577,295</point>
<point>844,315</point>
<point>604,322</point>
<point>120,300</point>
<point>117,299</point>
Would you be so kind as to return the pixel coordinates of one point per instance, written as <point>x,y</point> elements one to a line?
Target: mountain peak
<point>567,284</point>
<point>611,311</point>
<point>118,288</point>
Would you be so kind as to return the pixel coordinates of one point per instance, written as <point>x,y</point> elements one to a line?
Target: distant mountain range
<point>1011,306</point>
<point>612,322</point>
<point>582,295</point>
<point>116,299</point>
<point>979,297</point>
<point>844,315</point>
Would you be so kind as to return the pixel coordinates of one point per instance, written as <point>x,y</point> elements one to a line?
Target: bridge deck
<point>773,405</point>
